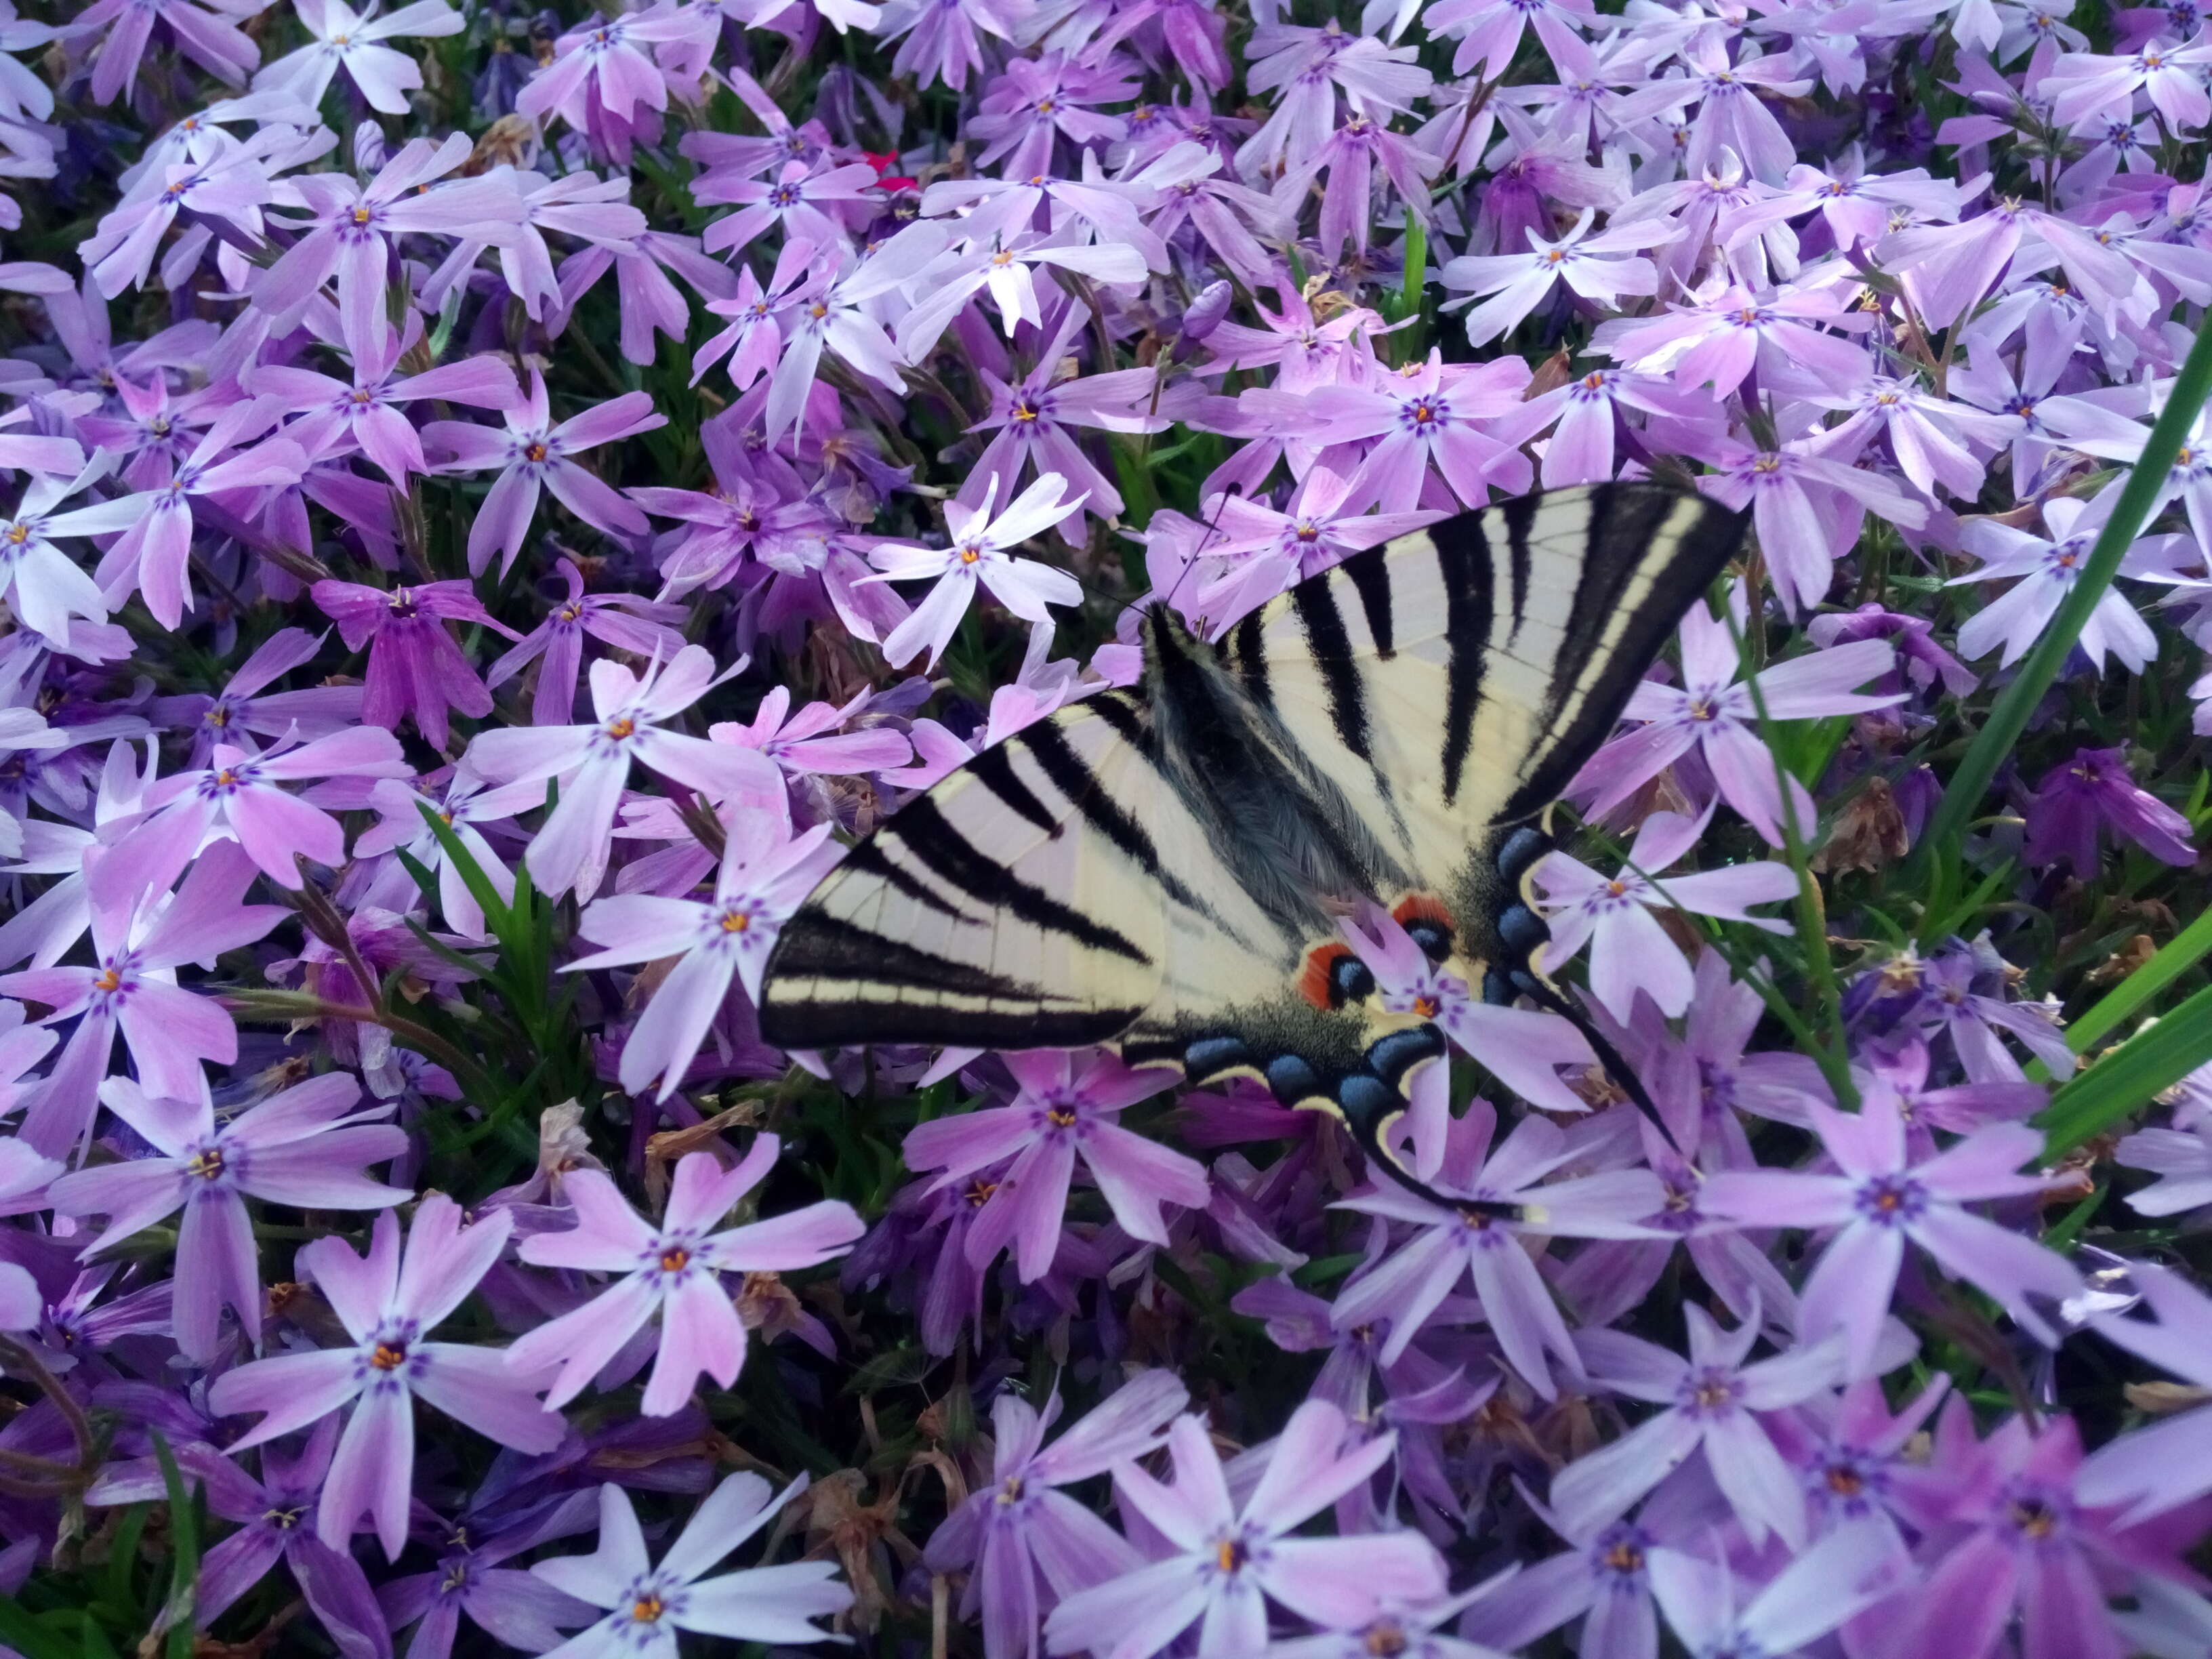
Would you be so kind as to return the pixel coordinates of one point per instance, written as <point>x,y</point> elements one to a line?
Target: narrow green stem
<point>1832,1054</point>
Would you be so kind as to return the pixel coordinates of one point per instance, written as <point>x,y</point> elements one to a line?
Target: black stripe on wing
<point>1331,646</point>
<point>1464,562</point>
<point>1624,521</point>
<point>923,829</point>
<point>1371,578</point>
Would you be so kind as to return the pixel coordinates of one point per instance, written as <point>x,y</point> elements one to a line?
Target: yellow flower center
<point>622,727</point>
<point>388,1356</point>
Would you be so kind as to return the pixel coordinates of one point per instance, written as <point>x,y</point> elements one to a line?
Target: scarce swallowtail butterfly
<point>1162,870</point>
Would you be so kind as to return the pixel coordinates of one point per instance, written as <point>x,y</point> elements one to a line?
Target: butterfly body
<point>1167,869</point>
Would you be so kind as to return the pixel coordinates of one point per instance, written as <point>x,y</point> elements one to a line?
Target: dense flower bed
<point>499,500</point>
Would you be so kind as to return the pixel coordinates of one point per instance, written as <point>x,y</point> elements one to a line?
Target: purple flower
<point>1842,1575</point>
<point>2092,794</point>
<point>673,1270</point>
<point>1713,713</point>
<point>1036,418</point>
<point>1226,1560</point>
<point>1489,31</point>
<point>2048,568</point>
<point>1881,1198</point>
<point>940,38</point>
<point>1630,952</point>
<point>805,203</point>
<point>1807,507</point>
<point>271,1516</point>
<point>350,234</point>
<point>650,1604</point>
<point>1486,1247</point>
<point>237,795</point>
<point>627,621</point>
<point>1266,550</point>
<point>512,1604</point>
<point>388,1301</point>
<point>605,81</point>
<point>1521,1047</point>
<point>1736,333</point>
<point>2025,1546</point>
<point>593,763</point>
<point>1712,1400</point>
<point>534,454</point>
<point>304,1147</point>
<point>239,711</point>
<point>807,745</point>
<point>1464,420</point>
<point>1061,1114</point>
<point>43,585</point>
<point>415,666</point>
<point>338,417</point>
<point>1026,1545</point>
<point>151,554</point>
<point>138,942</point>
<point>204,35</point>
<point>2180,1157</point>
<point>1590,266</point>
<point>765,875</point>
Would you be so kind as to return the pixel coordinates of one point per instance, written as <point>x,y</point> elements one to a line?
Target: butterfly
<point>1164,869</point>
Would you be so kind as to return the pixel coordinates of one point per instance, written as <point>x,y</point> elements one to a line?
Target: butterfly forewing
<point>1464,673</point>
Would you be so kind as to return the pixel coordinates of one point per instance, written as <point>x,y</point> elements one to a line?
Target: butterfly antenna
<point>1213,529</point>
<point>1546,996</point>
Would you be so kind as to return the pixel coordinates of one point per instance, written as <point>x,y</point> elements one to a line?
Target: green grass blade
<point>184,1553</point>
<point>2174,958</point>
<point>471,873</point>
<point>2131,1077</point>
<point>2008,719</point>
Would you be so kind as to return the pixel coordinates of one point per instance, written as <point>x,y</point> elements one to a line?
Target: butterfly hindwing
<point>1048,893</point>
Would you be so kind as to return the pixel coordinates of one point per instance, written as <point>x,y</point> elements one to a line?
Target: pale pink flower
<point>980,556</point>
<point>765,874</point>
<point>534,454</point>
<point>1630,951</point>
<point>591,762</point>
<point>1713,713</point>
<point>346,39</point>
<point>673,1271</point>
<point>388,1302</point>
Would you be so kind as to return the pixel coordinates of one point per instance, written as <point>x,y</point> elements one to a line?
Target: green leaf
<point>31,1638</point>
<point>2129,1076</point>
<point>2001,734</point>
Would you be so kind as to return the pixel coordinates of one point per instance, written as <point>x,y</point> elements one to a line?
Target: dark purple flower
<point>415,666</point>
<point>2093,793</point>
